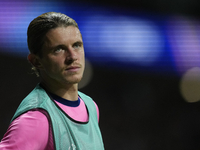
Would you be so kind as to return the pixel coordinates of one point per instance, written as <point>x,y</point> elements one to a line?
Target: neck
<point>67,91</point>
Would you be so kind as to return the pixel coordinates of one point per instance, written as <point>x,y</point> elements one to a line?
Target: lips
<point>73,68</point>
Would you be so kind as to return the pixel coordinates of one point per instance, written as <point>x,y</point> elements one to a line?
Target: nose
<point>71,55</point>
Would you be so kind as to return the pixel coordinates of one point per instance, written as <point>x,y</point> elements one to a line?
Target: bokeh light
<point>87,76</point>
<point>16,16</point>
<point>128,39</point>
<point>190,85</point>
<point>123,39</point>
<point>184,40</point>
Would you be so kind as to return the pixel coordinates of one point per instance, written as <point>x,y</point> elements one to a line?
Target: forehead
<point>62,35</point>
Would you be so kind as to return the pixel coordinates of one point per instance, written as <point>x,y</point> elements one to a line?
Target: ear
<point>34,60</point>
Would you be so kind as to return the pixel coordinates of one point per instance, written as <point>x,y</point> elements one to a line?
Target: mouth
<point>73,68</point>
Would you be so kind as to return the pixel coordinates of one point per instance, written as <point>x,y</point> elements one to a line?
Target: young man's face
<point>63,58</point>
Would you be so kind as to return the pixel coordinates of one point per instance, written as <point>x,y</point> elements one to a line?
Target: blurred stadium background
<point>143,67</point>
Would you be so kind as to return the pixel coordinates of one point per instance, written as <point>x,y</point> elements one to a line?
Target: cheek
<point>83,61</point>
<point>82,56</point>
<point>53,65</point>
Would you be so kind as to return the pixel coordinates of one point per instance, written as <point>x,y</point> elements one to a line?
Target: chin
<point>73,81</point>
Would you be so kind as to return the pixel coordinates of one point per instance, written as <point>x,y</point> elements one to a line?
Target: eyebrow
<point>62,45</point>
<point>78,42</point>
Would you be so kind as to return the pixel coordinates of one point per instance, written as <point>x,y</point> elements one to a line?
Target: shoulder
<point>87,99</point>
<point>28,130</point>
<point>90,103</point>
<point>33,100</point>
<point>30,121</point>
<point>84,96</point>
<point>36,116</point>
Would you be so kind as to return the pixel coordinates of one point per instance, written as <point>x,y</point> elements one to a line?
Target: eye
<point>77,44</point>
<point>58,50</point>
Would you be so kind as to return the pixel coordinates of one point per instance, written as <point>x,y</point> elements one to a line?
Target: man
<point>55,115</point>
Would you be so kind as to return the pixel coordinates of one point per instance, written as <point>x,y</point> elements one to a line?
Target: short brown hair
<point>38,28</point>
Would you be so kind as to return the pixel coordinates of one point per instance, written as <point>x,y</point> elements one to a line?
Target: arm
<point>30,130</point>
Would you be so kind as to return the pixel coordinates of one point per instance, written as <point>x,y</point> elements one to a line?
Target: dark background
<point>139,110</point>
